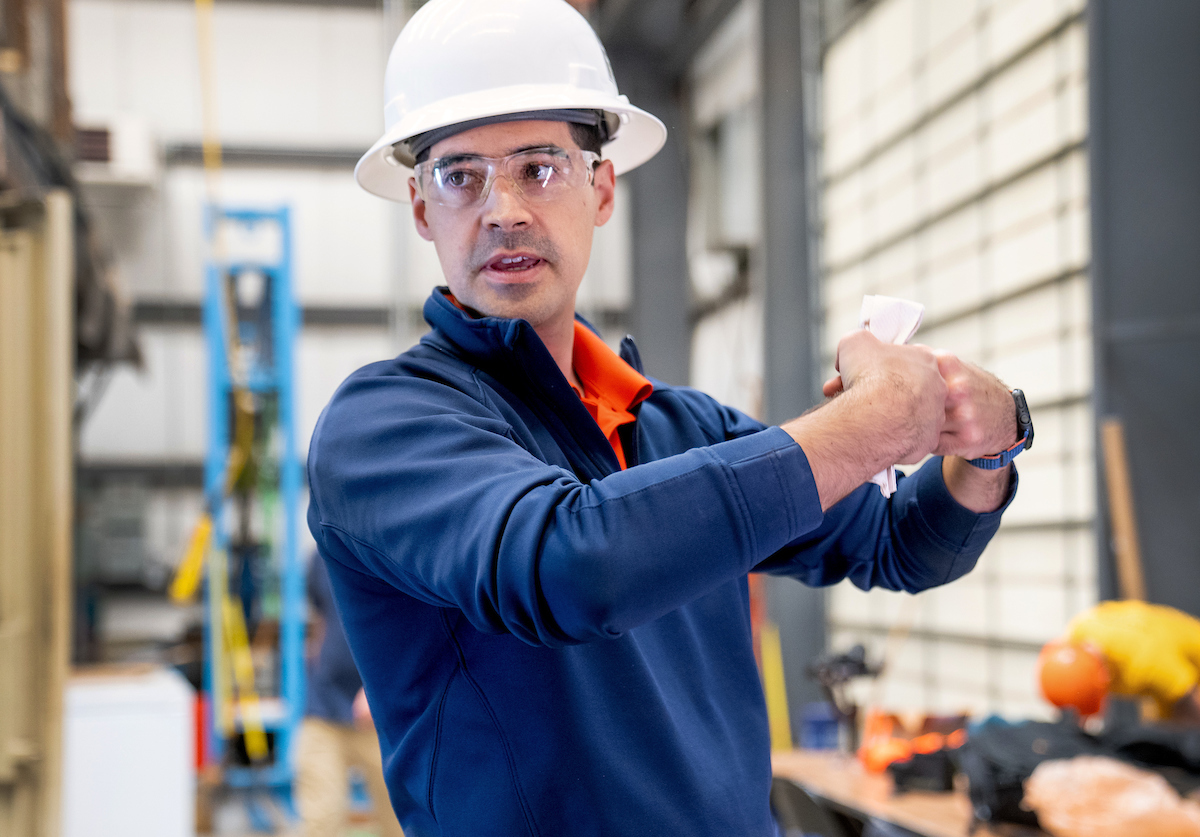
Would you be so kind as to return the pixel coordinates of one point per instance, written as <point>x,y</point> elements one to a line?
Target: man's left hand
<point>981,418</point>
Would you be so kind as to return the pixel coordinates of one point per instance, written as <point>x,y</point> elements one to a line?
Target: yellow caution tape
<point>191,568</point>
<point>238,645</point>
<point>774,688</point>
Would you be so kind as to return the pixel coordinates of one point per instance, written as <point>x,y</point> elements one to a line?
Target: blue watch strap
<point>999,460</point>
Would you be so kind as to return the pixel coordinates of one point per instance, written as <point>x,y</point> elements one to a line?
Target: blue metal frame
<point>274,376</point>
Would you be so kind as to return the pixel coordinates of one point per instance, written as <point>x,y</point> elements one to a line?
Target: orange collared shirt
<point>611,387</point>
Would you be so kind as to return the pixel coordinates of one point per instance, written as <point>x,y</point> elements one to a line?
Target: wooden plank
<point>17,266</point>
<point>1130,579</point>
<point>841,780</point>
<point>56,373</point>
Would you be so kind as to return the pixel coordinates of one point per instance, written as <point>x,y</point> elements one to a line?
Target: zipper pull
<point>629,353</point>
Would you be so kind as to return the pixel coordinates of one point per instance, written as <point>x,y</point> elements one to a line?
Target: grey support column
<point>1144,83</point>
<point>659,192</point>
<point>790,45</point>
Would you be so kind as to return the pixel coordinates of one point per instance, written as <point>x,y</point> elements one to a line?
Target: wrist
<point>977,490</point>
<point>844,442</point>
<point>1023,440</point>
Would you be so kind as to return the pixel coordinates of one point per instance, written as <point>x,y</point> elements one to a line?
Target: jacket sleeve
<point>423,486</point>
<point>919,538</point>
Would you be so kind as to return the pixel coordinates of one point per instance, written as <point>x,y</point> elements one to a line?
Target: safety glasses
<point>461,181</point>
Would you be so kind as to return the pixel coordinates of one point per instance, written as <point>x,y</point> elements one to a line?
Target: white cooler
<point>129,761</point>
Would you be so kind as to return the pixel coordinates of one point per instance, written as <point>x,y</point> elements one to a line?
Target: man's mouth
<point>513,264</point>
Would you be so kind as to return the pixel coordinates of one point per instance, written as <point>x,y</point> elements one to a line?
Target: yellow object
<point>774,688</point>
<point>238,646</point>
<point>210,142</point>
<point>1151,650</point>
<point>191,568</point>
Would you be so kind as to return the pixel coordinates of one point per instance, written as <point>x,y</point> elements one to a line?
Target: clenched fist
<point>902,386</point>
<point>980,416</point>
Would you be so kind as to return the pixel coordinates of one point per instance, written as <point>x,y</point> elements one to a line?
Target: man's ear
<point>418,211</point>
<point>604,181</point>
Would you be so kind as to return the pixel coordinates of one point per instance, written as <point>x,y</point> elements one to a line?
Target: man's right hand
<point>906,390</point>
<point>891,409</point>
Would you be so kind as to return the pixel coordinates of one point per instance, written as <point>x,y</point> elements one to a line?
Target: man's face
<point>550,241</point>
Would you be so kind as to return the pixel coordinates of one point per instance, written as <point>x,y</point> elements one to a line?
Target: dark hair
<point>587,137</point>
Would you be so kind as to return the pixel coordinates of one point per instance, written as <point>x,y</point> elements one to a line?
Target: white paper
<point>895,321</point>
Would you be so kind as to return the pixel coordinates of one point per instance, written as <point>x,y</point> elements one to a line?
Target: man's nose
<point>504,207</point>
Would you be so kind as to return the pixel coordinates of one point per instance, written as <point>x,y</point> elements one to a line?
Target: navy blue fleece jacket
<point>553,646</point>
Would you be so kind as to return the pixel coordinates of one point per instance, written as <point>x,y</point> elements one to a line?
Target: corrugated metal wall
<point>36,393</point>
<point>955,174</point>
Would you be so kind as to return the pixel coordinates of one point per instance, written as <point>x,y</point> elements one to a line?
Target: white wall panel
<point>135,57</point>
<point>156,413</point>
<point>607,283</point>
<point>969,194</point>
<point>284,75</point>
<point>160,414</point>
<point>727,355</point>
<point>341,251</point>
<point>725,71</point>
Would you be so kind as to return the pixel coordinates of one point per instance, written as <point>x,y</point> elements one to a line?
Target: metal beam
<point>790,45</point>
<point>185,313</point>
<point>192,154</point>
<point>701,21</point>
<point>1144,81</point>
<point>162,474</point>
<point>658,317</point>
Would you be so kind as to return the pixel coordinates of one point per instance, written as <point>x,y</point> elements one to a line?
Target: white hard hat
<point>462,60</point>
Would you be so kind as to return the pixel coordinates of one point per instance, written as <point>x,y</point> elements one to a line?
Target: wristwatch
<point>1024,438</point>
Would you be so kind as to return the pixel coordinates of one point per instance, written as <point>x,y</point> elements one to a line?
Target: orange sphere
<point>1073,674</point>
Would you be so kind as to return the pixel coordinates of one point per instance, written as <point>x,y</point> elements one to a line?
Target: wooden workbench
<point>841,781</point>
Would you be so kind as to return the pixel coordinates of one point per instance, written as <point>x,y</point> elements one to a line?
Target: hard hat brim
<point>639,137</point>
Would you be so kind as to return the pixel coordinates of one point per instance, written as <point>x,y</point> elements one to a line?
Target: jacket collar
<point>509,349</point>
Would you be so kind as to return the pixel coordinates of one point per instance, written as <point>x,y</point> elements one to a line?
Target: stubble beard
<point>535,302</point>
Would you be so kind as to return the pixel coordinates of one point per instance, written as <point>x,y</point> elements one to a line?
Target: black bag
<point>997,760</point>
<point>924,771</point>
<point>1171,751</point>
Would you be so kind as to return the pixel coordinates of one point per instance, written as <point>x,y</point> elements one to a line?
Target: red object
<point>201,729</point>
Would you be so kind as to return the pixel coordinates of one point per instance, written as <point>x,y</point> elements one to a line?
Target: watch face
<point>1024,421</point>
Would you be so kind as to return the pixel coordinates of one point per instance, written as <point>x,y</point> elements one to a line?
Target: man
<point>1132,649</point>
<point>336,732</point>
<point>540,555</point>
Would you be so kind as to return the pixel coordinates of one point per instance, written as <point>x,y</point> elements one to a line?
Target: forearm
<point>834,438</point>
<point>918,538</point>
<point>974,488</point>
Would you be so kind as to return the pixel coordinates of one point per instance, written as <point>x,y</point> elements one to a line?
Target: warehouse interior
<point>1024,169</point>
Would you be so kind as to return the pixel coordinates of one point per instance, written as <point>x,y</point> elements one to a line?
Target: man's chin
<point>511,302</point>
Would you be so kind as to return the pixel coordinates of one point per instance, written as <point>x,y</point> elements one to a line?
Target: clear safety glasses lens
<point>543,174</point>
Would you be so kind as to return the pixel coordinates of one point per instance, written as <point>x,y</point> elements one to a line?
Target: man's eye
<point>537,172</point>
<point>459,178</point>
